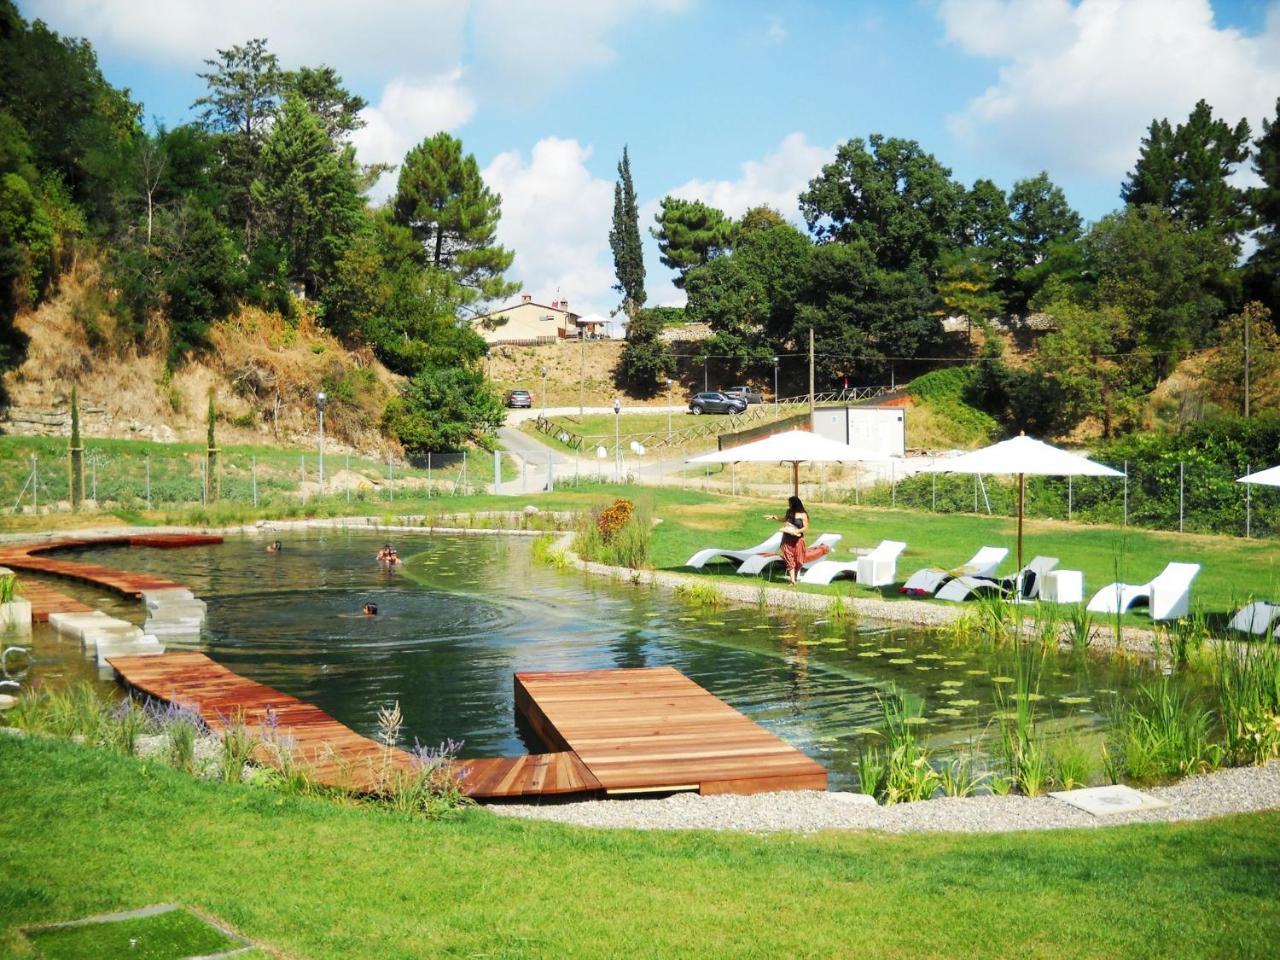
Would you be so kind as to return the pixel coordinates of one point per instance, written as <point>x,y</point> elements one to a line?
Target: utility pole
<point>1248,318</point>
<point>811,371</point>
<point>582,368</point>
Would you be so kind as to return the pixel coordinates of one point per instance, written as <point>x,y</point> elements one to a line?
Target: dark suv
<point>744,393</point>
<point>518,398</point>
<point>713,402</point>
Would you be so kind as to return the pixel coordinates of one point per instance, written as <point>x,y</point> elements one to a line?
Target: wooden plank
<point>646,729</point>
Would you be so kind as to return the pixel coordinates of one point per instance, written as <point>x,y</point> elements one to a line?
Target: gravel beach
<point>1237,790</point>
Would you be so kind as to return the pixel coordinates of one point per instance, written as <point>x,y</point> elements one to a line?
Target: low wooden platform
<point>334,754</point>
<point>654,729</point>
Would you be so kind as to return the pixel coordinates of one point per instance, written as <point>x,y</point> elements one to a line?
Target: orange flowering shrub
<point>611,520</point>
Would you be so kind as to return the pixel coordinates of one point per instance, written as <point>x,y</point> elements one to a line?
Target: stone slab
<point>1105,801</point>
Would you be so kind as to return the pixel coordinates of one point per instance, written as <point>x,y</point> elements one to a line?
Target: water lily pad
<point>1029,697</point>
<point>948,712</point>
<point>930,656</point>
<point>869,653</point>
<point>976,673</point>
<point>901,660</point>
<point>1074,700</point>
<point>865,731</point>
<point>894,649</point>
<point>808,643</point>
<point>1106,691</point>
<point>964,703</point>
<point>1006,715</point>
<point>715,623</point>
<point>1002,680</point>
<point>955,663</point>
<point>916,721</point>
<point>833,639</point>
<point>687,619</point>
<point>948,692</point>
<point>867,644</point>
<point>923,668</point>
<point>744,629</point>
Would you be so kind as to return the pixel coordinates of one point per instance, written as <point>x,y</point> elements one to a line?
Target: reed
<point>1071,763</point>
<point>1080,627</point>
<point>701,593</point>
<point>1020,744</point>
<point>238,744</point>
<point>1247,678</point>
<point>904,772</point>
<point>1163,733</point>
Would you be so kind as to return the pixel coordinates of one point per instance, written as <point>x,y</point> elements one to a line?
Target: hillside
<point>264,372</point>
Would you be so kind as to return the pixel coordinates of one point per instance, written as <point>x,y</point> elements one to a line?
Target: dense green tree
<point>444,408</point>
<point>762,217</point>
<point>624,240</point>
<point>894,197</point>
<point>1039,215</point>
<point>321,89</point>
<point>966,286</point>
<point>646,359</point>
<point>1262,277</point>
<point>200,278</point>
<point>689,233</point>
<point>244,90</point>
<point>1225,369</point>
<point>453,215</point>
<point>1187,169</point>
<point>1173,282</point>
<point>307,192</point>
<point>985,220</point>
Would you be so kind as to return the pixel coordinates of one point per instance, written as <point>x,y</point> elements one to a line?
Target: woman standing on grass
<point>794,525</point>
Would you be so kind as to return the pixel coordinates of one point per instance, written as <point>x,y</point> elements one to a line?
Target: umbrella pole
<point>1022,491</point>
<point>795,477</point>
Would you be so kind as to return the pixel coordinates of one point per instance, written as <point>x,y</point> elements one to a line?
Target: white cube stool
<point>1063,586</point>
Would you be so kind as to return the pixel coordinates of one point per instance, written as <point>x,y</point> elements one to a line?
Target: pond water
<point>465,613</point>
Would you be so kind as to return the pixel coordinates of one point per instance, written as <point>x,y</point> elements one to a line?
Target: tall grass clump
<point>620,535</point>
<point>701,594</point>
<point>1163,733</point>
<point>1248,682</point>
<point>431,785</point>
<point>902,772</point>
<point>1080,627</point>
<point>1020,744</point>
<point>546,553</point>
<point>237,744</point>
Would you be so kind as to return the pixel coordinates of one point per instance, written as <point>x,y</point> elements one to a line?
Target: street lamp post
<point>617,437</point>
<point>670,383</point>
<point>544,390</point>
<point>320,401</point>
<point>705,388</point>
<point>775,386</point>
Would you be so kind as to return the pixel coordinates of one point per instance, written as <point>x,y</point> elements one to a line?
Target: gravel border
<point>1223,792</point>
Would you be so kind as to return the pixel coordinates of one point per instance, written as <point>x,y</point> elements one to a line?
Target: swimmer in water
<point>388,555</point>
<point>369,609</point>
<point>275,546</point>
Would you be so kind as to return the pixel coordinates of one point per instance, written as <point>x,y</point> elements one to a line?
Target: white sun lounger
<point>873,569</point>
<point>1257,618</point>
<point>983,564</point>
<point>1025,583</point>
<point>758,563</point>
<point>703,557</point>
<point>1167,596</point>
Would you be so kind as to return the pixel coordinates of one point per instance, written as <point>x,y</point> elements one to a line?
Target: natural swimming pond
<point>465,613</point>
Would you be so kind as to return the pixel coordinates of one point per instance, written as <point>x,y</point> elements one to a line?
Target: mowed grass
<point>88,832</point>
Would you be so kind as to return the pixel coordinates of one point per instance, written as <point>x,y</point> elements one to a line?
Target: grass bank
<point>88,832</point>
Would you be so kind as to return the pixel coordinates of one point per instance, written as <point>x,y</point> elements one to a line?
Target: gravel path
<point>1237,790</point>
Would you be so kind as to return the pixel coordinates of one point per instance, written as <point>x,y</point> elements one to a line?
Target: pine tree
<point>624,241</point>
<point>1262,276</point>
<point>689,233</point>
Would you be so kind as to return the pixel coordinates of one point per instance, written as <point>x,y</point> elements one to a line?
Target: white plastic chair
<point>983,564</point>
<point>1025,583</point>
<point>874,569</point>
<point>703,557</point>
<point>1168,596</point>
<point>758,563</point>
<point>1256,618</point>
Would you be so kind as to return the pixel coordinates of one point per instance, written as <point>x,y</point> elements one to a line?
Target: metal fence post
<point>933,477</point>
<point>733,479</point>
<point>428,474</point>
<point>35,485</point>
<point>348,478</point>
<point>1069,489</point>
<point>975,493</point>
<point>391,479</point>
<point>1248,503</point>
<point>1182,469</point>
<point>893,484</point>
<point>1126,493</point>
<point>253,478</point>
<point>464,471</point>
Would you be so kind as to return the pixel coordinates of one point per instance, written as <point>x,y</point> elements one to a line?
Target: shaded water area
<point>465,613</point>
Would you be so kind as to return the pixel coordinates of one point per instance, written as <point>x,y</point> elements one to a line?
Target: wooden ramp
<point>334,754</point>
<point>654,729</point>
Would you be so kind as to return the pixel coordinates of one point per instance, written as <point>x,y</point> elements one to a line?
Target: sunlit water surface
<point>466,613</point>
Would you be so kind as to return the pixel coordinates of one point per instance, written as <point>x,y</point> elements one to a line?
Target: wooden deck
<point>334,754</point>
<point>654,729</point>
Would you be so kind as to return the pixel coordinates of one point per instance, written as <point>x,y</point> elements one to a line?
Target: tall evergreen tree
<point>1262,277</point>
<point>689,233</point>
<point>321,88</point>
<point>453,215</point>
<point>624,241</point>
<point>1186,170</point>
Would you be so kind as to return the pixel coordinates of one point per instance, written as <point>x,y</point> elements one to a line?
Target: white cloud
<point>1080,83</point>
<point>556,217</point>
<point>408,111</point>
<point>399,37</point>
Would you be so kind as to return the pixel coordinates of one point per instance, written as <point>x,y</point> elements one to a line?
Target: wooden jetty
<point>612,731</point>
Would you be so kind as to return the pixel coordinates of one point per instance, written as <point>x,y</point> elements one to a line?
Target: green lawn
<point>88,832</point>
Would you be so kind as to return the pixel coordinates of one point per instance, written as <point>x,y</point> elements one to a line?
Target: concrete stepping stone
<point>1105,801</point>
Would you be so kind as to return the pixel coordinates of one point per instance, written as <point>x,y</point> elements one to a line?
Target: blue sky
<point>732,102</point>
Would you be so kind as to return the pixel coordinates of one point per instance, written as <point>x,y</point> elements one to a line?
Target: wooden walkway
<point>654,729</point>
<point>334,754</point>
<point>614,731</point>
<point>34,558</point>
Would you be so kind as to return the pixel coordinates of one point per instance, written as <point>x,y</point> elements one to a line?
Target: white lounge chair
<point>1256,618</point>
<point>1167,596</point>
<point>1025,583</point>
<point>759,563</point>
<point>874,569</point>
<point>925,583</point>
<point>703,557</point>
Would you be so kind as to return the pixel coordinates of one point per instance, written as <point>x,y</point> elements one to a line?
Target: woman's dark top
<point>790,539</point>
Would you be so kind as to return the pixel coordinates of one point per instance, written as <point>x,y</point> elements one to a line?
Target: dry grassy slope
<point>264,372</point>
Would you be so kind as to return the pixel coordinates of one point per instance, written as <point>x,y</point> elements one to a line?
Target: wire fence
<point>129,480</point>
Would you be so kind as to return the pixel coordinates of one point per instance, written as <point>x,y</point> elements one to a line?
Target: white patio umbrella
<point>1022,457</point>
<point>1269,478</point>
<point>794,447</point>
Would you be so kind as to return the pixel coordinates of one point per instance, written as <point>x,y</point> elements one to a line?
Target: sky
<point>734,102</point>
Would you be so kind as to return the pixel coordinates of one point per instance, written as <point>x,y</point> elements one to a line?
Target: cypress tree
<point>624,240</point>
<point>75,454</point>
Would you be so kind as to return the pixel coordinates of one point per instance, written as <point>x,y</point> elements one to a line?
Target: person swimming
<point>369,609</point>
<point>275,546</point>
<point>388,554</point>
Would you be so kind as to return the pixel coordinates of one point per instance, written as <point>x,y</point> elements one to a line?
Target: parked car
<point>748,394</point>
<point>715,402</point>
<point>518,398</point>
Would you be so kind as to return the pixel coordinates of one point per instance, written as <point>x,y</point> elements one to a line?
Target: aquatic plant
<point>700,593</point>
<point>1019,744</point>
<point>1248,683</point>
<point>1163,733</point>
<point>1047,624</point>
<point>996,618</point>
<point>545,552</point>
<point>1071,763</point>
<point>1080,627</point>
<point>904,771</point>
<point>960,777</point>
<point>9,587</point>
